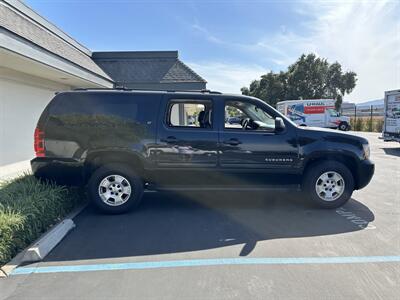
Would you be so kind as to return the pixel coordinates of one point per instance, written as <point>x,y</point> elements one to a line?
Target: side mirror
<point>279,124</point>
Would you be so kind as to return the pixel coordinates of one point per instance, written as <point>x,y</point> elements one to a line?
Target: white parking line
<point>353,218</point>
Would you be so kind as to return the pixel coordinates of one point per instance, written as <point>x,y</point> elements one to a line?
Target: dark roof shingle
<point>145,67</point>
<point>180,72</point>
<point>29,30</point>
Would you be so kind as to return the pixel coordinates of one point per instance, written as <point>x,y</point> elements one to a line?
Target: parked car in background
<point>391,126</point>
<point>234,120</point>
<point>314,112</point>
<point>119,142</point>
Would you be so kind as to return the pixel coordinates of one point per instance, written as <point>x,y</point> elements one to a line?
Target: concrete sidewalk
<point>14,170</point>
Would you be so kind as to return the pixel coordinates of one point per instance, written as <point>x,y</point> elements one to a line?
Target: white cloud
<point>364,36</point>
<point>227,78</point>
<point>210,37</point>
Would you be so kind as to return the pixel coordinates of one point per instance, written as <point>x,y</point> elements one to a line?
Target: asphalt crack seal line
<point>207,262</point>
<point>352,217</point>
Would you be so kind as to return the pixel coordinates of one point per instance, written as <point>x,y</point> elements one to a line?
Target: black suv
<point>120,142</point>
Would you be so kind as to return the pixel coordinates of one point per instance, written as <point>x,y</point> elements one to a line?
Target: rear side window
<point>102,118</point>
<point>189,113</point>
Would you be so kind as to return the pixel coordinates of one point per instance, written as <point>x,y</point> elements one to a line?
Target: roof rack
<point>204,91</point>
<point>211,92</point>
<point>101,89</point>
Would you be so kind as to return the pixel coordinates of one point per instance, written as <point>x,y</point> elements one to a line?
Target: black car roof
<point>148,91</point>
<point>144,91</point>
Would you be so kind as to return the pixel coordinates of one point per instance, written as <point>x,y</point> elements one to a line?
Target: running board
<point>288,187</point>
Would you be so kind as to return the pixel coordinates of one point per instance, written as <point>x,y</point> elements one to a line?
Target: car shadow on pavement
<point>392,151</point>
<point>171,223</point>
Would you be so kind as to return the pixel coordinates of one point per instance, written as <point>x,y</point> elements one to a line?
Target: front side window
<point>247,116</point>
<point>190,113</point>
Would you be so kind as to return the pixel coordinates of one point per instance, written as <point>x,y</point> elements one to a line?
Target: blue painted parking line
<point>208,262</point>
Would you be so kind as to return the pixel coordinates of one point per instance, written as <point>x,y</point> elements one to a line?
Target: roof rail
<point>102,89</point>
<point>211,92</point>
<point>204,91</point>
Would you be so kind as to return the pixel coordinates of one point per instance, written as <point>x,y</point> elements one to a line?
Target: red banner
<point>308,110</point>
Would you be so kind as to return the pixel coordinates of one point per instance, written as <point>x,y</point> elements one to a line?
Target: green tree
<point>306,78</point>
<point>310,77</point>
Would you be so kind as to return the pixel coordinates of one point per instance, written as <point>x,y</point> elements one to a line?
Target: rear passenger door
<point>187,140</point>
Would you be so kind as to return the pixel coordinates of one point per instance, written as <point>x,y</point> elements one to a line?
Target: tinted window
<point>190,113</point>
<point>96,120</point>
<point>138,108</point>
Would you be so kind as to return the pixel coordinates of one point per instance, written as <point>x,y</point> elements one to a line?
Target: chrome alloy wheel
<point>114,190</point>
<point>330,186</point>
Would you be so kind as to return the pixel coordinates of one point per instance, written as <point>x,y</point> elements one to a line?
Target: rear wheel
<point>115,188</point>
<point>328,184</point>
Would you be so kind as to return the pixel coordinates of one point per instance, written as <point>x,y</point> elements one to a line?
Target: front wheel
<point>344,126</point>
<point>115,188</point>
<point>328,184</point>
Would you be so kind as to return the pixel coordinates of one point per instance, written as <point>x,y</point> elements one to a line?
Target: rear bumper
<point>62,171</point>
<point>365,171</point>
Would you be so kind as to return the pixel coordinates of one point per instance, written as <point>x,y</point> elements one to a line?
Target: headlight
<point>367,151</point>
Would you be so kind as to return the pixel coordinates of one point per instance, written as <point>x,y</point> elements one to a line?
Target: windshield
<point>276,112</point>
<point>258,114</point>
<point>332,112</point>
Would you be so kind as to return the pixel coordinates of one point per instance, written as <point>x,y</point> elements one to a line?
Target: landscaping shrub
<point>370,123</point>
<point>357,124</point>
<point>373,124</point>
<point>379,125</point>
<point>28,207</point>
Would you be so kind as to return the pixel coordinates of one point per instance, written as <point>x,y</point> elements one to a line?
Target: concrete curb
<point>44,244</point>
<point>41,248</point>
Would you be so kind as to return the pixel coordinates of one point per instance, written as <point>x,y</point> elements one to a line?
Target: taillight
<point>38,143</point>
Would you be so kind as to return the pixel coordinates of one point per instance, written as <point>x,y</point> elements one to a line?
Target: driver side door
<point>256,156</point>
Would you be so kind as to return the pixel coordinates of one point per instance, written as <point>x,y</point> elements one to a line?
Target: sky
<point>231,43</point>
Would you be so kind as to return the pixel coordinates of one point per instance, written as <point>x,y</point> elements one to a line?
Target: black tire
<point>312,175</point>
<point>135,182</point>
<point>343,126</point>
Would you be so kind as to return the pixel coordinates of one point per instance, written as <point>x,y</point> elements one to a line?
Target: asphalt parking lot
<point>231,245</point>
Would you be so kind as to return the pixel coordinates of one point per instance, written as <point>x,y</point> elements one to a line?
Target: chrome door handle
<point>232,142</point>
<point>170,139</point>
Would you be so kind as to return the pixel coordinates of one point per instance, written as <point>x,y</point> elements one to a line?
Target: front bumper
<point>62,171</point>
<point>365,171</point>
<point>390,137</point>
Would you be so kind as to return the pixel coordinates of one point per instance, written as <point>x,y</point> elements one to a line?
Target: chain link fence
<point>365,118</point>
